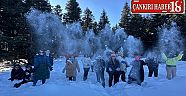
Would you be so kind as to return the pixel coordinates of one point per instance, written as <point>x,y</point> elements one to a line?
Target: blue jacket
<point>42,67</point>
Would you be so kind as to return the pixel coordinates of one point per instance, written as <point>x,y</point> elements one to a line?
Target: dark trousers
<point>123,76</point>
<point>113,75</point>
<point>100,77</point>
<point>86,70</point>
<point>153,70</point>
<point>17,85</point>
<point>35,82</point>
<point>72,78</point>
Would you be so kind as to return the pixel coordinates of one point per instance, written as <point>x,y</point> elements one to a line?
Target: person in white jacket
<point>123,65</point>
<point>86,66</point>
<point>92,65</point>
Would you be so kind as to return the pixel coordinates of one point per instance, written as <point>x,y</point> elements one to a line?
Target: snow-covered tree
<point>73,12</point>
<point>87,19</point>
<point>58,11</point>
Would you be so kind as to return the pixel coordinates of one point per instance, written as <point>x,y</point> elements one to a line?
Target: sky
<point>112,7</point>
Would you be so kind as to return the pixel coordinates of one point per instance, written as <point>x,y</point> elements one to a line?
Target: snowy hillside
<point>58,85</point>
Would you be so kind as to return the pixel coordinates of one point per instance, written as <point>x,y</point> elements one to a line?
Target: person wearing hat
<point>71,68</point>
<point>113,69</point>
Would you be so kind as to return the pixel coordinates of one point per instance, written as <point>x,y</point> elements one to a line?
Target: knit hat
<point>69,61</point>
<point>113,55</point>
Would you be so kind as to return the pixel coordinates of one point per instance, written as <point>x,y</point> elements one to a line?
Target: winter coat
<point>99,65</point>
<point>71,68</point>
<point>28,74</point>
<point>137,71</point>
<point>113,65</point>
<point>42,67</point>
<point>93,62</point>
<point>50,59</point>
<point>17,74</point>
<point>152,63</point>
<point>171,61</point>
<point>123,64</point>
<point>86,62</point>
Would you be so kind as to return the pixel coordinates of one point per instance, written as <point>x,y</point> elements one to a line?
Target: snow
<point>58,85</point>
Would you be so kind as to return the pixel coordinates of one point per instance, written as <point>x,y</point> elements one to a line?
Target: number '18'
<point>175,7</point>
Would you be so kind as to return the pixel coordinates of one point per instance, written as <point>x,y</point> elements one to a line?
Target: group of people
<point>115,66</point>
<point>40,70</point>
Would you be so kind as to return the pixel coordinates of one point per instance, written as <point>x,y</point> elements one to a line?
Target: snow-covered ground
<point>58,85</point>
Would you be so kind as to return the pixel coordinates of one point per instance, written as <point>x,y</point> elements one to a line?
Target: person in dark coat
<point>113,69</point>
<point>28,74</point>
<point>50,58</point>
<point>152,66</point>
<point>48,54</point>
<point>99,68</point>
<point>17,73</point>
<point>42,68</point>
<point>136,73</point>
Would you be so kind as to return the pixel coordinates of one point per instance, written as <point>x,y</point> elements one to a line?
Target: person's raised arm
<point>164,56</point>
<point>179,56</point>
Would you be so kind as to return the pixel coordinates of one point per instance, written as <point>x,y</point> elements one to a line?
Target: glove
<point>110,69</point>
<point>117,69</point>
<point>11,79</point>
<point>27,73</point>
<point>51,68</point>
<point>181,52</point>
<point>123,62</point>
<point>63,71</point>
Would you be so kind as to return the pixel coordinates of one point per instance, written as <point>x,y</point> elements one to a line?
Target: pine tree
<point>103,20</point>
<point>14,29</point>
<point>42,5</point>
<point>73,12</point>
<point>160,19</point>
<point>95,28</point>
<point>138,28</point>
<point>136,25</point>
<point>87,20</point>
<point>58,11</point>
<point>115,28</point>
<point>125,17</point>
<point>151,34</point>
